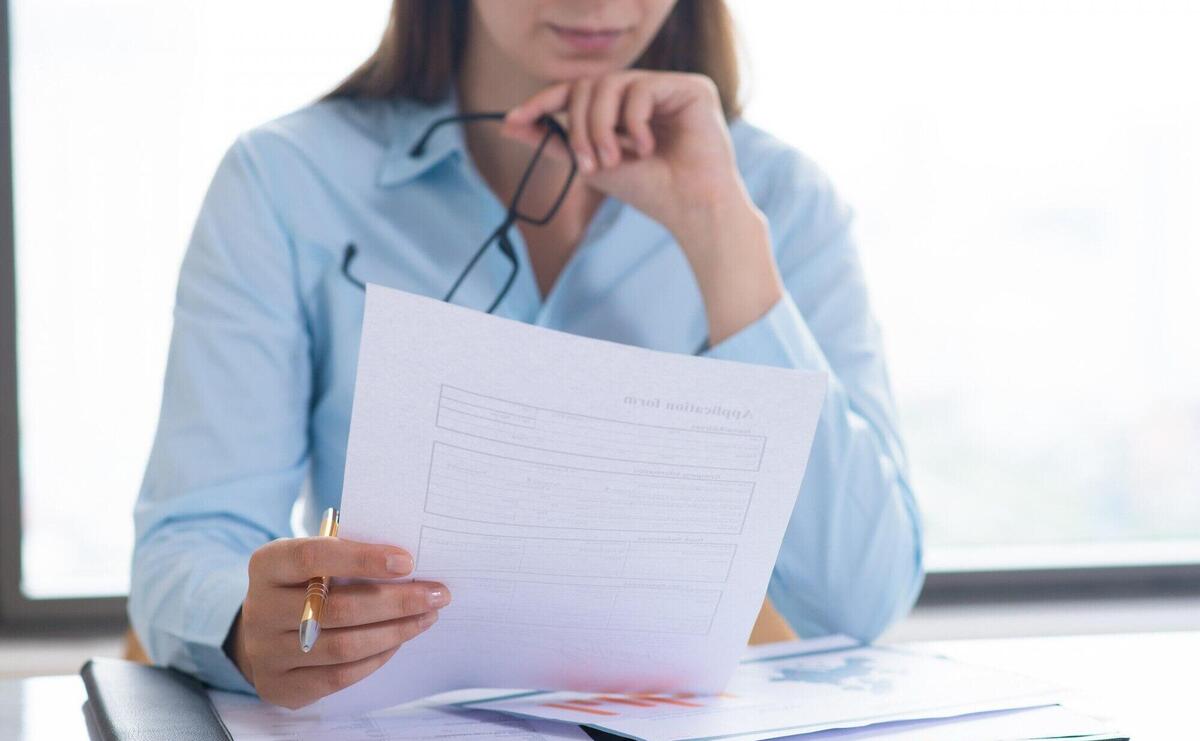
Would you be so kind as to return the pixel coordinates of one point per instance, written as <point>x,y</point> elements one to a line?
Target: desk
<point>1145,682</point>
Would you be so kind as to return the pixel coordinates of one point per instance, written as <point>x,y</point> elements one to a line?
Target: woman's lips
<point>586,39</point>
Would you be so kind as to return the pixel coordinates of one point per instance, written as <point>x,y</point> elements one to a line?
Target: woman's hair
<point>422,48</point>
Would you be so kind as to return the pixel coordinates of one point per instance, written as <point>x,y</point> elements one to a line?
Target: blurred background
<point>1027,182</point>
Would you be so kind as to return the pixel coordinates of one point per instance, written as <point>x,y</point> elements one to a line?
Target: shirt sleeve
<point>231,450</point>
<point>851,559</point>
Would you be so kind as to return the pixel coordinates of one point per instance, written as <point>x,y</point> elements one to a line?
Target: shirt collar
<point>411,120</point>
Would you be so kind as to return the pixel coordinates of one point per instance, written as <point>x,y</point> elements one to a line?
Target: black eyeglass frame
<point>499,236</point>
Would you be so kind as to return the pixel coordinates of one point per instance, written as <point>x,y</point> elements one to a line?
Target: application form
<point>606,517</point>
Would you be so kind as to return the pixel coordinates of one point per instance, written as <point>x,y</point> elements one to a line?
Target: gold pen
<point>317,590</point>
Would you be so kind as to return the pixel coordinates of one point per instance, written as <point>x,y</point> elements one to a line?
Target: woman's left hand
<point>659,142</point>
<point>655,140</point>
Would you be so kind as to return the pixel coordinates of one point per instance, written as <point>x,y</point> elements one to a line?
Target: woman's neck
<point>488,81</point>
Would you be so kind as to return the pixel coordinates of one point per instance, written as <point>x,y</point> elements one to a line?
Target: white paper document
<point>248,719</point>
<point>606,517</point>
<point>793,688</point>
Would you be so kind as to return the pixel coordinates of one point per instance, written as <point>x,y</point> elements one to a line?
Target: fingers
<point>363,624</point>
<point>362,604</point>
<point>350,604</point>
<point>295,560</point>
<point>550,100</point>
<point>577,128</point>
<point>602,115</point>
<point>347,645</point>
<point>605,117</point>
<point>526,133</point>
<point>638,109</point>
<point>307,684</point>
<point>616,116</point>
<point>521,123</point>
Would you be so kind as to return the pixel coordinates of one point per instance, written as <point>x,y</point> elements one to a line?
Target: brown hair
<point>422,48</point>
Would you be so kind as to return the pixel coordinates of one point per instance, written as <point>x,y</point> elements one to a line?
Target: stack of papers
<point>796,688</point>
<point>810,690</point>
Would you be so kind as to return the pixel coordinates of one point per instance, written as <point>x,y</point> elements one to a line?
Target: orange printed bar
<point>641,703</point>
<point>578,709</point>
<point>672,701</point>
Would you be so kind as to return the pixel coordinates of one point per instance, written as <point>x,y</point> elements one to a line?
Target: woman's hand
<point>361,627</point>
<point>659,142</point>
<point>656,140</point>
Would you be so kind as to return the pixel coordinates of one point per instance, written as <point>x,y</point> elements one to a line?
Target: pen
<point>317,590</point>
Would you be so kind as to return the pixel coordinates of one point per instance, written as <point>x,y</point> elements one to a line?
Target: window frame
<point>1132,581</point>
<point>15,607</point>
<point>18,610</point>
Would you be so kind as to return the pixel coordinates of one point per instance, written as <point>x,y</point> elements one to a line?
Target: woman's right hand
<point>361,627</point>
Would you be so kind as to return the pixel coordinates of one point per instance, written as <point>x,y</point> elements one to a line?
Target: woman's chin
<point>561,67</point>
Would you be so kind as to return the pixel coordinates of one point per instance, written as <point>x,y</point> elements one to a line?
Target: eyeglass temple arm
<point>348,257</point>
<point>418,148</point>
<point>511,254</point>
<point>475,258</point>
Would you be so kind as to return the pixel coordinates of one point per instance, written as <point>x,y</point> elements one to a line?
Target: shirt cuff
<point>214,606</point>
<point>780,338</point>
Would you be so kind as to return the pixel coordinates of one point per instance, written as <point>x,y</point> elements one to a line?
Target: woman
<point>685,228</point>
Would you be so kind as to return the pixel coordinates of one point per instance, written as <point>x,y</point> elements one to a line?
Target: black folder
<point>134,702</point>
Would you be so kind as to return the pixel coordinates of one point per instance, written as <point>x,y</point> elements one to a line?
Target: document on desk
<point>801,687</point>
<point>605,517</point>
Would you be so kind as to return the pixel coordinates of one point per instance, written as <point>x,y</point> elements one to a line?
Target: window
<point>1026,177</point>
<point>120,113</point>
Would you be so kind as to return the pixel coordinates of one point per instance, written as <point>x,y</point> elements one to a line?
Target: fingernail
<point>438,598</point>
<point>585,162</point>
<point>608,155</point>
<point>427,619</point>
<point>399,563</point>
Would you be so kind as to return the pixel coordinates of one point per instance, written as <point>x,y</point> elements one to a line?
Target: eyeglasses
<point>520,209</point>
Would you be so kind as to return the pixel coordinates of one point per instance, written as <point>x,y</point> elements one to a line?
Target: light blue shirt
<point>260,376</point>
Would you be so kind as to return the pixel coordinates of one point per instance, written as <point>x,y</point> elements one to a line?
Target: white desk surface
<point>1145,682</point>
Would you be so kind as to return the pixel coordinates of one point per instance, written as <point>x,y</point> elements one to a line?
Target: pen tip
<point>309,630</point>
